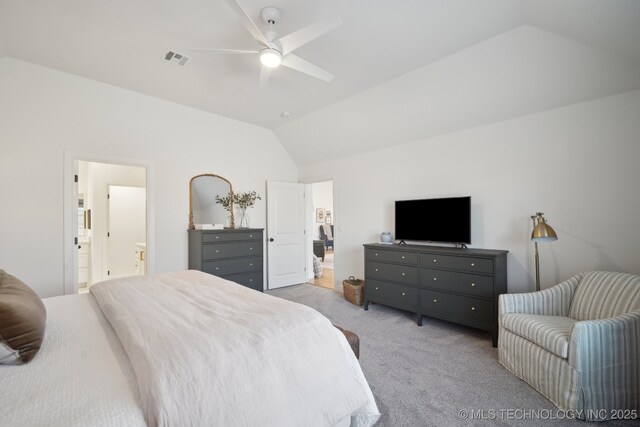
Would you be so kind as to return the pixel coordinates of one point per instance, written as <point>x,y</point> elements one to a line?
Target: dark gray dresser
<point>235,254</point>
<point>458,285</point>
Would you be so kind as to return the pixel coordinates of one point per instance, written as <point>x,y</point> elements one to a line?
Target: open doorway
<point>322,234</point>
<point>112,222</point>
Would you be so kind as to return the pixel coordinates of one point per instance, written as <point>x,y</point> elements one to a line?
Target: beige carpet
<point>424,376</point>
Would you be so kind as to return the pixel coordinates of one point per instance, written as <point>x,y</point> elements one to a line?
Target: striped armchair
<point>577,343</point>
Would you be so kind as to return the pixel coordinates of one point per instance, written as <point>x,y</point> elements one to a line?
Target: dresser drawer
<point>229,250</point>
<point>452,281</point>
<point>392,272</point>
<point>228,237</point>
<point>391,256</point>
<point>479,265</point>
<point>400,294</point>
<point>251,280</point>
<point>232,266</point>
<point>471,308</point>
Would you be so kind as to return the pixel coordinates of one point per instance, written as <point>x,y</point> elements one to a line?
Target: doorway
<point>112,222</point>
<point>322,235</point>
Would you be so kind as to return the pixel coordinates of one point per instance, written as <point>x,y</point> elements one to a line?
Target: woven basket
<point>353,290</point>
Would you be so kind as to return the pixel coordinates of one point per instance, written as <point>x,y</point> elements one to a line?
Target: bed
<point>186,348</point>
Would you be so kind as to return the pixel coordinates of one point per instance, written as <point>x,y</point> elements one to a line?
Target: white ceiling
<point>404,69</point>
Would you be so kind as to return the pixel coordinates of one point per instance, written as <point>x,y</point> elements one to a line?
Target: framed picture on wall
<point>320,215</point>
<point>328,218</point>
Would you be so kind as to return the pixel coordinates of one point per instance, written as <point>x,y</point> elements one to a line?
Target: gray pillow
<point>22,321</point>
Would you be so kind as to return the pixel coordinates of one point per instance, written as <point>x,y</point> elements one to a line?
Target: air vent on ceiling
<point>176,58</point>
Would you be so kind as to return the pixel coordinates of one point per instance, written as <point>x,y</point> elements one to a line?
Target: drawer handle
<point>435,300</point>
<point>250,264</point>
<point>402,256</point>
<point>251,280</point>
<point>376,254</point>
<point>473,285</point>
<point>250,249</point>
<point>403,294</point>
<point>473,309</point>
<point>217,237</point>
<point>435,260</point>
<point>250,235</point>
<point>217,251</point>
<point>377,288</point>
<point>403,274</point>
<point>217,269</point>
<point>376,269</point>
<point>435,278</point>
<point>473,265</point>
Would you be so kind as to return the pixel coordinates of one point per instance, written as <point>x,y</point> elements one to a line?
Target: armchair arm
<point>554,301</point>
<point>605,354</point>
<point>616,339</point>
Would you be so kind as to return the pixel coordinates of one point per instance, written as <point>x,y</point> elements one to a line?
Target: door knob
<point>271,239</point>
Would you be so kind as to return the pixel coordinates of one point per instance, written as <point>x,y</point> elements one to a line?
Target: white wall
<point>578,164</point>
<point>322,199</point>
<point>45,112</point>
<point>3,50</point>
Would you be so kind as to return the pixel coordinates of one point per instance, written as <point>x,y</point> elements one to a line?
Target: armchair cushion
<point>603,294</point>
<point>549,332</point>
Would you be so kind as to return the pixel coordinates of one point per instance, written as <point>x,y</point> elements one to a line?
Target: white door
<point>127,217</point>
<point>285,234</point>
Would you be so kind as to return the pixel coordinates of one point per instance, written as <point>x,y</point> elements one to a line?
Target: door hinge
<point>108,196</point>
<point>108,234</point>
<point>75,240</point>
<point>108,273</point>
<point>75,178</point>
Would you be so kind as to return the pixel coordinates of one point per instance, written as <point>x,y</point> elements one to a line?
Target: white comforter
<point>208,352</point>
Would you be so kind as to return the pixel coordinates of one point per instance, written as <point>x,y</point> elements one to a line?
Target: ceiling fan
<point>276,51</point>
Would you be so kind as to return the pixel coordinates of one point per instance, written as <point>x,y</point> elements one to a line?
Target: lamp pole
<point>541,232</point>
<point>537,267</point>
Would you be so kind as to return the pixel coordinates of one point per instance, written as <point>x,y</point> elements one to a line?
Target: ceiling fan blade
<point>296,63</point>
<point>292,41</point>
<point>265,73</point>
<point>247,22</point>
<point>204,49</point>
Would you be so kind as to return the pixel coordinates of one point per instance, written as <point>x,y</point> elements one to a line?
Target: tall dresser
<point>234,254</point>
<point>458,285</point>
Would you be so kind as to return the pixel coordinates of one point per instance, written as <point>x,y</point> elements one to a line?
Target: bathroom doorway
<point>112,222</point>
<point>322,235</point>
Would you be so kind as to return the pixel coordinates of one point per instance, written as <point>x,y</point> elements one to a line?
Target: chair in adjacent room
<point>326,234</point>
<point>577,343</point>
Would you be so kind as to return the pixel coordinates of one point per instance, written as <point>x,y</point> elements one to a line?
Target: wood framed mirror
<point>203,208</point>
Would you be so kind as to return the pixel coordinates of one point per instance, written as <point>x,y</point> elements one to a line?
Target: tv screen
<point>446,220</point>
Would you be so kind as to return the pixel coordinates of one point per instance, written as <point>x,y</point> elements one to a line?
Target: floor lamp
<point>542,232</point>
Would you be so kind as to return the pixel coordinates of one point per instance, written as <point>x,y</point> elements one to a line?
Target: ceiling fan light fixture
<point>270,58</point>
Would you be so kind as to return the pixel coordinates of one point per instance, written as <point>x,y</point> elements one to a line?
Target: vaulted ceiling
<point>404,70</point>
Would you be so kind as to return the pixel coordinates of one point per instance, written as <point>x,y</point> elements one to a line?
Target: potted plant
<point>227,204</point>
<point>353,290</point>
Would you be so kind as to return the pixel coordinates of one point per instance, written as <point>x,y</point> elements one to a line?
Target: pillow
<point>317,267</point>
<point>22,317</point>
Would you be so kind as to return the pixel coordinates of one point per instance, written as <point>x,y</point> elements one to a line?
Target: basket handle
<point>350,278</point>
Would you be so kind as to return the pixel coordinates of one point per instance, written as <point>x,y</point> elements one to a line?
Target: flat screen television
<point>443,220</point>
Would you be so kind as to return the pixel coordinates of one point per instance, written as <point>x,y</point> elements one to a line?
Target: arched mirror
<point>203,208</point>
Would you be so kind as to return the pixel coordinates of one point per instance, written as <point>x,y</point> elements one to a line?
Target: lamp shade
<point>542,232</point>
